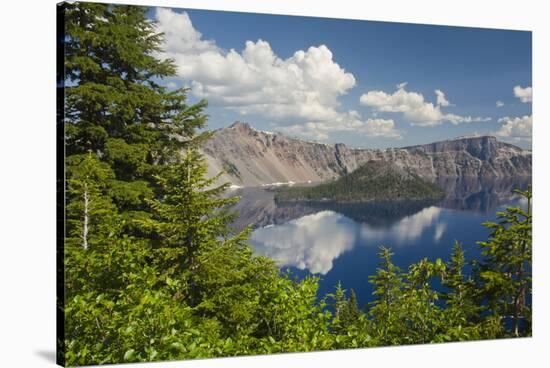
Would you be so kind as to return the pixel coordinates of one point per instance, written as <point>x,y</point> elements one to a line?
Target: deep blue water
<point>340,242</point>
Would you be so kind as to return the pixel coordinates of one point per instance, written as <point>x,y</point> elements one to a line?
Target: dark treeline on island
<point>373,181</point>
<point>153,270</point>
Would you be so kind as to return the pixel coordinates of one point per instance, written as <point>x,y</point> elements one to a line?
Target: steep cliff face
<point>253,158</point>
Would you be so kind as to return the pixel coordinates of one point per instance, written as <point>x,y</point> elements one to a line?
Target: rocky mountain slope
<point>253,158</point>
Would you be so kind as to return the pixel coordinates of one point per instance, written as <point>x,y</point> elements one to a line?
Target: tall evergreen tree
<point>504,276</point>
<point>404,310</point>
<point>461,316</point>
<point>115,106</point>
<point>90,211</point>
<point>385,310</point>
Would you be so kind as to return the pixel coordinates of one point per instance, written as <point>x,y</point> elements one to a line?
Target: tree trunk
<point>86,218</point>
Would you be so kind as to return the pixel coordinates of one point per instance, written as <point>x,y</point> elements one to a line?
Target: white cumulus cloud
<point>414,107</point>
<point>441,99</point>
<point>516,128</point>
<point>299,90</point>
<point>350,121</point>
<point>525,95</point>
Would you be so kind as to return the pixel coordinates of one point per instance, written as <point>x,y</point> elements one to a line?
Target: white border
<point>27,195</point>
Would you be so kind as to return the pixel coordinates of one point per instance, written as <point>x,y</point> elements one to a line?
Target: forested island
<point>373,181</point>
<point>153,271</point>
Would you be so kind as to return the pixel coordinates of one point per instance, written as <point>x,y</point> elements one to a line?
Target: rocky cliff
<point>253,158</point>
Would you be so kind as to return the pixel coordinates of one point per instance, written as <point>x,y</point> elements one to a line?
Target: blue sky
<point>363,83</point>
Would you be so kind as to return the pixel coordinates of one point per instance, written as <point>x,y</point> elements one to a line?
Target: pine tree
<point>461,314</point>
<point>384,312</point>
<point>340,306</point>
<point>122,129</point>
<point>505,275</point>
<point>424,315</point>
<point>223,281</point>
<point>115,106</point>
<point>404,310</point>
<point>90,211</point>
<point>189,219</point>
<point>353,307</point>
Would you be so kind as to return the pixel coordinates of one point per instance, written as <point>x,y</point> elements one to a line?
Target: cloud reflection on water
<point>314,241</point>
<point>311,242</point>
<point>406,230</point>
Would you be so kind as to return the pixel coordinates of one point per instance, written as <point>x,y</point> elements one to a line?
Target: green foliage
<point>87,183</point>
<point>349,325</point>
<point>461,314</point>
<point>374,180</point>
<point>154,272</point>
<point>405,309</point>
<point>504,278</point>
<point>115,107</point>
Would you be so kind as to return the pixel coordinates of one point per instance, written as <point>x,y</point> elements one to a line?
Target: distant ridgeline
<point>375,180</point>
<point>249,157</point>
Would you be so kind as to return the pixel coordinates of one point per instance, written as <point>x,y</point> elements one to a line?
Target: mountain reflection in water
<point>340,240</point>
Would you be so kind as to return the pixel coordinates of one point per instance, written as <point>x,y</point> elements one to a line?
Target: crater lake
<point>339,242</point>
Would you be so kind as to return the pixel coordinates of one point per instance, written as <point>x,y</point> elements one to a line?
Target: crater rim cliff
<point>250,157</point>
